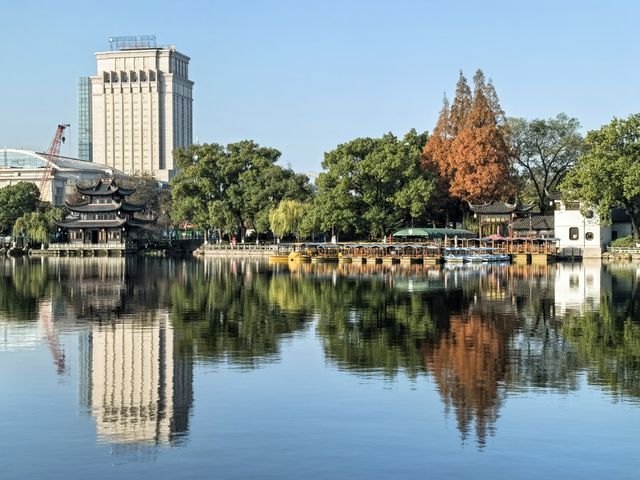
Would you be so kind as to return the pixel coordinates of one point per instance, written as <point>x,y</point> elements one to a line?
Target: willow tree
<point>37,226</point>
<point>287,218</point>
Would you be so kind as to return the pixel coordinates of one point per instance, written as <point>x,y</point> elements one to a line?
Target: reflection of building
<point>578,286</point>
<point>582,233</point>
<point>136,384</point>
<point>141,106</point>
<point>18,335</point>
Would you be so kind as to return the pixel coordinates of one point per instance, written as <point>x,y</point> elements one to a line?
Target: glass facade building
<point>85,146</point>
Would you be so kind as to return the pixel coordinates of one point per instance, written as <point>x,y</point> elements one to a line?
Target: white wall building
<point>581,233</point>
<point>141,109</point>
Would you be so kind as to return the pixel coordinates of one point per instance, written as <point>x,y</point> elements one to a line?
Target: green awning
<point>433,233</point>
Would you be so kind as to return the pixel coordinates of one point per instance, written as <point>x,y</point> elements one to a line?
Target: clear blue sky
<point>304,76</point>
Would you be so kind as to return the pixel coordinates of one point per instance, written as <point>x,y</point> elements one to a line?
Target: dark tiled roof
<point>92,223</point>
<point>619,215</point>
<point>500,207</point>
<point>123,222</point>
<point>95,207</point>
<point>554,195</point>
<point>538,222</point>
<point>105,187</point>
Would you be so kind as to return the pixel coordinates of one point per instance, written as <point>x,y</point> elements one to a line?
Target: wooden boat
<point>281,258</point>
<point>299,257</point>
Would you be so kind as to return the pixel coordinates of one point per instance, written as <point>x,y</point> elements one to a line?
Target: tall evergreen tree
<point>481,153</point>
<point>461,106</point>
<point>435,159</point>
<point>435,154</point>
<point>494,103</point>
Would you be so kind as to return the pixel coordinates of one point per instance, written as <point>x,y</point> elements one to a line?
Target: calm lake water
<point>130,368</point>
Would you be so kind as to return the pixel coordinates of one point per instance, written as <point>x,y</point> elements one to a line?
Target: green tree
<point>232,188</point>
<point>147,191</point>
<point>608,174</point>
<point>544,150</point>
<point>287,218</point>
<point>368,183</point>
<point>15,201</point>
<point>38,226</point>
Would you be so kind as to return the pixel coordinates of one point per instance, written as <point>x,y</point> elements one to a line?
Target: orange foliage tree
<point>468,150</point>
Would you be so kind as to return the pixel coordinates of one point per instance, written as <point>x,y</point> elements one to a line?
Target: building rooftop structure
<point>496,217</point>
<point>17,165</point>
<point>500,208</point>
<point>138,107</point>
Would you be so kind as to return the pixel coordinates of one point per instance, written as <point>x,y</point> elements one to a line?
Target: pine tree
<point>494,104</point>
<point>435,159</point>
<point>480,153</point>
<point>461,105</point>
<point>435,154</point>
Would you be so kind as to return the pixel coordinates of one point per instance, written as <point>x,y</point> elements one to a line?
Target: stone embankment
<point>622,253</point>
<point>240,250</point>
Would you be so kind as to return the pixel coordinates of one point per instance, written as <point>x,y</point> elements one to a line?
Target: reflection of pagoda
<point>136,383</point>
<point>104,217</point>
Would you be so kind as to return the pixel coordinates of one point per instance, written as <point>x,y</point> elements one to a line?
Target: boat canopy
<point>432,233</point>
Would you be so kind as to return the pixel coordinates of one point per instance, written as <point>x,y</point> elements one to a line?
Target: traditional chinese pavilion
<point>105,217</point>
<point>497,217</point>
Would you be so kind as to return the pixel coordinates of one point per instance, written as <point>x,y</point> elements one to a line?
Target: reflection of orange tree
<point>469,365</point>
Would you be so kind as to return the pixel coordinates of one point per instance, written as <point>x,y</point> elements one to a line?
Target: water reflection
<point>235,311</point>
<point>481,334</point>
<point>136,381</point>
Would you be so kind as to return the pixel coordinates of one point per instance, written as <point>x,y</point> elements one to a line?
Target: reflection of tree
<point>608,341</point>
<point>23,284</point>
<point>228,315</point>
<point>366,325</point>
<point>469,364</point>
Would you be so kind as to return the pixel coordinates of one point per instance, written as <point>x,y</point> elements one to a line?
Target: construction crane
<point>52,153</point>
<point>45,318</point>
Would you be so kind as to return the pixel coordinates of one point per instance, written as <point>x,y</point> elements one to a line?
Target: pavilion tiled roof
<point>95,207</point>
<point>499,207</point>
<point>105,187</point>
<point>538,222</point>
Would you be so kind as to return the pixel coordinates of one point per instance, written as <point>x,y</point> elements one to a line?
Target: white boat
<point>453,255</point>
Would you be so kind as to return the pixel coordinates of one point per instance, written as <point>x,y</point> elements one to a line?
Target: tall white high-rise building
<point>141,106</point>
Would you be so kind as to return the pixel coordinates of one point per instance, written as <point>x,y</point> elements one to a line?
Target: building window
<point>574,233</point>
<point>588,235</point>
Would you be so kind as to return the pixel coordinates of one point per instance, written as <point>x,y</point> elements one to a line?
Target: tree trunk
<point>634,215</point>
